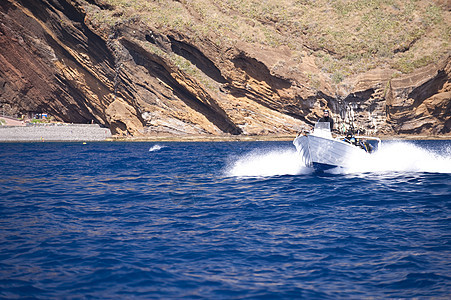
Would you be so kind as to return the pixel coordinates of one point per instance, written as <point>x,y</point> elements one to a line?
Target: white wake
<point>402,157</point>
<point>262,163</point>
<point>391,157</point>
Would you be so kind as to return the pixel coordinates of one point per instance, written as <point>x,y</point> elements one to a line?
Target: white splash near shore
<point>156,148</point>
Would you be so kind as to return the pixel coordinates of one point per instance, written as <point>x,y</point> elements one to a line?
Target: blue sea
<point>222,220</point>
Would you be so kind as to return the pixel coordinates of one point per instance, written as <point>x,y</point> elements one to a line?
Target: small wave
<point>402,157</point>
<point>267,163</point>
<point>156,148</point>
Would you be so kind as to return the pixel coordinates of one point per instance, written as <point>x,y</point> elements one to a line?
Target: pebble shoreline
<point>54,133</point>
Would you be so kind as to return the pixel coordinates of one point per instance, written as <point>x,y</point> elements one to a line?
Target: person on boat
<point>349,138</point>
<point>365,145</point>
<point>327,118</point>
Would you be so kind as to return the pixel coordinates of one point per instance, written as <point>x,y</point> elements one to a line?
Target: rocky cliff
<point>139,79</point>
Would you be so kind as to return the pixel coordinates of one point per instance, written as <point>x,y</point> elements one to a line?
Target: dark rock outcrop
<point>52,62</point>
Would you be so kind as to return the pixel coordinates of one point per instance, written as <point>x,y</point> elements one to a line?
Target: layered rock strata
<point>54,59</point>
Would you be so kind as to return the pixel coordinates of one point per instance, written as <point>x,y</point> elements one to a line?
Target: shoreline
<point>203,138</point>
<point>252,138</point>
<point>64,132</point>
<point>54,132</point>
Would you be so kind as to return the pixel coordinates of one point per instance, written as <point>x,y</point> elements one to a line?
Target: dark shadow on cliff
<point>159,69</point>
<point>429,88</point>
<point>258,70</point>
<point>75,35</point>
<point>252,68</point>
<point>197,58</point>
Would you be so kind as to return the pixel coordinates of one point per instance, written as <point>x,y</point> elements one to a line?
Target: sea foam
<point>402,157</point>
<point>156,148</point>
<point>391,157</point>
<point>262,163</point>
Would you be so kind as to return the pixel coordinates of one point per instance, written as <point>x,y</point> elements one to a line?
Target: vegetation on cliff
<point>346,37</point>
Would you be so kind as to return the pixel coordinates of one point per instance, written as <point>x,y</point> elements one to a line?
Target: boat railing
<point>367,138</point>
<point>368,143</point>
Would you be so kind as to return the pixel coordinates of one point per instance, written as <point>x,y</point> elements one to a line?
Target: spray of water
<point>156,148</point>
<point>392,157</point>
<point>402,157</point>
<point>267,163</point>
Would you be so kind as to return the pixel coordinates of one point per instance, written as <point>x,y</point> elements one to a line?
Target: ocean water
<point>222,220</point>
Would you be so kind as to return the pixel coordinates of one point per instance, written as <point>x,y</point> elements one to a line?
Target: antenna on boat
<point>351,112</point>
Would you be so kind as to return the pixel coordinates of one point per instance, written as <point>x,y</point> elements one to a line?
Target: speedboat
<point>321,151</point>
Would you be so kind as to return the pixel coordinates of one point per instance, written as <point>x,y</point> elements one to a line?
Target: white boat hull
<point>324,153</point>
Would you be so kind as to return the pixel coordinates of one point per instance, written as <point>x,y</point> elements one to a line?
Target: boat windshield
<point>322,126</point>
<point>322,129</point>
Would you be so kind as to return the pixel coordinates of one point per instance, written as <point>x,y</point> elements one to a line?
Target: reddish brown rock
<point>139,80</point>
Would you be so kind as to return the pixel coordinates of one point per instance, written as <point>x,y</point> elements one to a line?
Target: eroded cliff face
<point>54,59</point>
<point>418,103</point>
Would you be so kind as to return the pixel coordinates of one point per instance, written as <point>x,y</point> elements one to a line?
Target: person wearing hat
<point>327,118</point>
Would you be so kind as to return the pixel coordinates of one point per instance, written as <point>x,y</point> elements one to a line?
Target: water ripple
<point>203,220</point>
